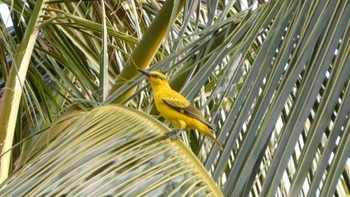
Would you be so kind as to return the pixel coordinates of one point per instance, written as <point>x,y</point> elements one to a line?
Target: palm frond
<point>273,77</point>
<point>112,150</point>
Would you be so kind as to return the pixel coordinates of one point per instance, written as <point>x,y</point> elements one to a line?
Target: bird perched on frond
<point>176,108</point>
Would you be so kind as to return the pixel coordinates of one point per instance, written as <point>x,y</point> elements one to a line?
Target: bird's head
<point>155,78</point>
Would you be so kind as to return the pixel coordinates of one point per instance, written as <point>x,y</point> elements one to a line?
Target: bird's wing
<point>176,103</point>
<point>186,108</point>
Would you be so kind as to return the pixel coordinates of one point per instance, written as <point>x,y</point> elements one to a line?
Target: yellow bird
<point>176,108</point>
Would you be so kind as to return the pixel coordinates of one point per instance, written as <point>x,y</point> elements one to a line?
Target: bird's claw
<point>173,135</point>
<point>170,133</point>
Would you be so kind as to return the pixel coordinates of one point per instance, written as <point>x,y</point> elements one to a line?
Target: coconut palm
<point>273,77</point>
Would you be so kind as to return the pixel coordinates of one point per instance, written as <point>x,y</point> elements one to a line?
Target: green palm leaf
<point>111,150</point>
<point>272,77</point>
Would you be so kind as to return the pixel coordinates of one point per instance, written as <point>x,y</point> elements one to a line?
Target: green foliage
<point>110,150</point>
<point>273,77</point>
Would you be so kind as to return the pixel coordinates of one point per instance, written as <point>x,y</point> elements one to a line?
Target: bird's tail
<point>218,144</point>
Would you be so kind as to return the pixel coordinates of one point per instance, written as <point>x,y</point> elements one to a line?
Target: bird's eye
<point>155,76</point>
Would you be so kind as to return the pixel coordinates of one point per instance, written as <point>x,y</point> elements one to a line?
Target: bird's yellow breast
<point>177,118</point>
<point>166,111</point>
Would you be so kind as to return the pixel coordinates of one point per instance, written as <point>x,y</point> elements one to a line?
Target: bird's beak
<point>145,72</point>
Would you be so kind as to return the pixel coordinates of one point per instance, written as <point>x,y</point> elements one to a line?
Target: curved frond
<point>112,150</point>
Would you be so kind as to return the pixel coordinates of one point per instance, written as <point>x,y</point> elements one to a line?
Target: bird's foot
<point>174,134</point>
